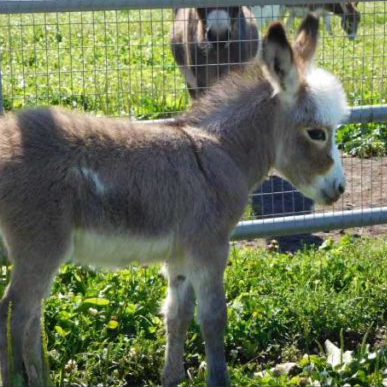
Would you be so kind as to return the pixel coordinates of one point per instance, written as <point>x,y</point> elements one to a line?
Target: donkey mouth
<point>220,38</point>
<point>329,199</point>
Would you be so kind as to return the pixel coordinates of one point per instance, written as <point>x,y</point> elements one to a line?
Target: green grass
<point>112,63</point>
<point>106,327</point>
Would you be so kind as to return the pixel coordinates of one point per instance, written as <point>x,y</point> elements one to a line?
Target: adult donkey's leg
<point>178,311</point>
<point>35,261</point>
<point>206,275</point>
<point>327,22</point>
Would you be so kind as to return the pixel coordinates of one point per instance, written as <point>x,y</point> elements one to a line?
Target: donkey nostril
<point>341,188</point>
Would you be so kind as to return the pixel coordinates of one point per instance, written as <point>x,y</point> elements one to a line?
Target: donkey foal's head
<point>313,104</point>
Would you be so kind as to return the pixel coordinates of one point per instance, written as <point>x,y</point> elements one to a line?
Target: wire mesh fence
<point>114,63</point>
<point>119,63</point>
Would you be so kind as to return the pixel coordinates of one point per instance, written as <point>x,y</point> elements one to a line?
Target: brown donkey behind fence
<point>109,192</point>
<point>207,43</point>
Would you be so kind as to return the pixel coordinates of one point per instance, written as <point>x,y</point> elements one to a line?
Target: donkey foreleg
<point>212,317</point>
<point>178,311</point>
<point>207,280</point>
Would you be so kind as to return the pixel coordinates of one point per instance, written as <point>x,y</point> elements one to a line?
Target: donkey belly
<point>91,247</point>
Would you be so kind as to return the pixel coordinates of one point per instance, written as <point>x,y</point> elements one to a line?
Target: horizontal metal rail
<point>288,225</point>
<point>367,113</point>
<point>38,6</point>
<point>358,114</point>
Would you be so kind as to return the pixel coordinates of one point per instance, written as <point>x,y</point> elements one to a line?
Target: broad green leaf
<point>60,331</point>
<point>112,324</point>
<point>130,308</point>
<point>97,301</point>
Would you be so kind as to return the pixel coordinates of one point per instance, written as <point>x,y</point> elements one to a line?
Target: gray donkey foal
<point>109,192</point>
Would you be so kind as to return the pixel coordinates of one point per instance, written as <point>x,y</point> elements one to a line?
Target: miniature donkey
<point>107,192</point>
<point>209,42</point>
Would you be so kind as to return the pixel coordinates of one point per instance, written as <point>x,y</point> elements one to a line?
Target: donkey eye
<point>317,134</point>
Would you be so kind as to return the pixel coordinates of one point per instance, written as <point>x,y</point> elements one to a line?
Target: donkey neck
<point>243,120</point>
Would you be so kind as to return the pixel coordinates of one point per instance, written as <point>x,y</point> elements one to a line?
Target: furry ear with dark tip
<point>306,40</point>
<point>278,58</point>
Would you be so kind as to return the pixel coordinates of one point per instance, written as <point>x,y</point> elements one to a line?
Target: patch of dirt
<point>366,186</point>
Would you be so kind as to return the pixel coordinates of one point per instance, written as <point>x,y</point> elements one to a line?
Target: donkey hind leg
<point>178,311</point>
<point>31,277</point>
<point>207,279</point>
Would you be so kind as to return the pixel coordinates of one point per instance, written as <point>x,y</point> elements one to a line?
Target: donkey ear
<point>277,55</point>
<point>306,41</point>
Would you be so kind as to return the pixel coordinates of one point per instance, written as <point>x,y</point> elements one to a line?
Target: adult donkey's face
<point>218,22</point>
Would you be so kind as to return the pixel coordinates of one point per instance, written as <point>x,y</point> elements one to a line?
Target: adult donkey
<point>108,192</point>
<point>346,10</point>
<point>209,42</point>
